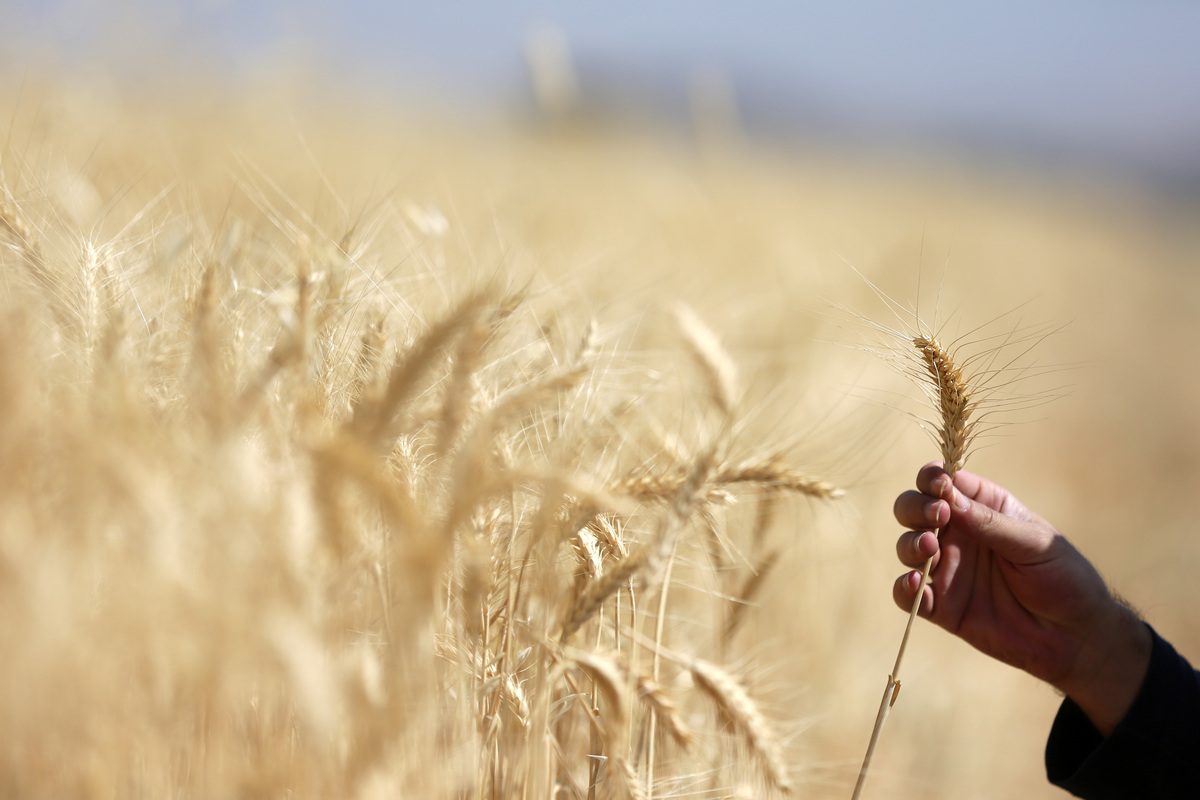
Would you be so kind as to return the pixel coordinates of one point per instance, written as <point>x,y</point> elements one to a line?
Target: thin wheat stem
<point>659,624</point>
<point>891,689</point>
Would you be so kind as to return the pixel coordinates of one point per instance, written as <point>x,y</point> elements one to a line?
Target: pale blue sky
<point>1099,81</point>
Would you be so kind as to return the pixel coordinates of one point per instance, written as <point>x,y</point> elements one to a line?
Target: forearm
<point>1150,754</point>
<point>1111,665</point>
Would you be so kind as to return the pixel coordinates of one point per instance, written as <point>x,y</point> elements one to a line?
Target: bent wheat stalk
<point>954,429</point>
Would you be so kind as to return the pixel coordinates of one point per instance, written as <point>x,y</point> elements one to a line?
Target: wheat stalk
<point>742,714</point>
<point>712,359</point>
<point>598,591</point>
<point>774,474</point>
<point>771,474</point>
<point>953,393</point>
<point>380,424</point>
<point>655,697</point>
<point>745,596</point>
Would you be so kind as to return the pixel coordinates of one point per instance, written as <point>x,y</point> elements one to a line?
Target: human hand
<point>1008,583</point>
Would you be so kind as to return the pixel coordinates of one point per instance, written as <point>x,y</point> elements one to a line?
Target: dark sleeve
<point>1154,752</point>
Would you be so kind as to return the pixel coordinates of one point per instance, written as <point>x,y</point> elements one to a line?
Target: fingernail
<point>960,501</point>
<point>917,545</point>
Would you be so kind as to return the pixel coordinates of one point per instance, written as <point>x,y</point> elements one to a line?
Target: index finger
<point>933,480</point>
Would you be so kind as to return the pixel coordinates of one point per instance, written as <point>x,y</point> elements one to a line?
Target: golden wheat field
<point>349,455</point>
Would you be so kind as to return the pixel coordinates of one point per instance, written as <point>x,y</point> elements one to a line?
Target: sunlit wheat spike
<point>476,586</point>
<point>741,713</point>
<point>770,474</point>
<point>29,249</point>
<point>954,403</point>
<point>378,424</point>
<point>285,352</point>
<point>715,363</point>
<point>775,474</point>
<point>459,389</point>
<point>654,696</point>
<point>532,394</point>
<point>602,588</point>
<point>349,460</point>
<point>507,305</point>
<point>613,683</point>
<point>518,699</point>
<point>587,550</point>
<point>608,529</point>
<point>367,371</point>
<point>612,680</point>
<point>26,243</point>
<point>745,596</point>
<point>629,781</point>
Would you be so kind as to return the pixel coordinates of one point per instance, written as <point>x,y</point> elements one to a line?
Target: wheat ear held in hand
<point>951,391</point>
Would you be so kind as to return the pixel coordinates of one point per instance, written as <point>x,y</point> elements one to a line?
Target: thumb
<point>1018,540</point>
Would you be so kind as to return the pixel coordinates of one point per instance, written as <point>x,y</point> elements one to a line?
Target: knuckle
<point>986,518</point>
<point>942,487</point>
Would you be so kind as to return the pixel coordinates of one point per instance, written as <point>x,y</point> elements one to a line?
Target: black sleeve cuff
<point>1154,752</point>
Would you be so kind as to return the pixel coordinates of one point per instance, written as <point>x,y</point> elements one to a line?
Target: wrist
<point>1113,657</point>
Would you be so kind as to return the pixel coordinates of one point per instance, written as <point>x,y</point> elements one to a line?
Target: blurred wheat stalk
<point>277,522</point>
